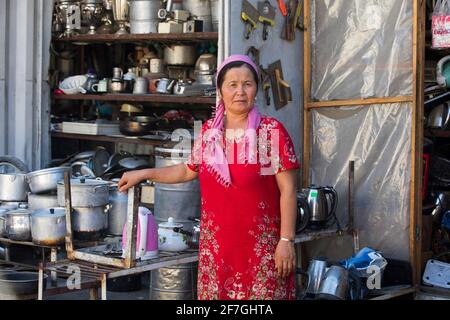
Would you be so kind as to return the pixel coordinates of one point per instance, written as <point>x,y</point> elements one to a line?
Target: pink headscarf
<point>215,158</point>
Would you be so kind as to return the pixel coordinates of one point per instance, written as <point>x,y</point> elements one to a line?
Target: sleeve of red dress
<point>288,159</point>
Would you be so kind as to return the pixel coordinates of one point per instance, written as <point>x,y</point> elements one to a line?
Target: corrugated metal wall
<point>24,91</point>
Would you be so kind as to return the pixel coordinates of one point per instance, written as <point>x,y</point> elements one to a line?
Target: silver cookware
<point>20,284</point>
<point>439,117</point>
<point>178,54</point>
<point>3,222</point>
<point>90,223</point>
<point>86,193</point>
<point>117,215</point>
<point>42,201</point>
<point>339,284</point>
<point>13,187</point>
<point>48,226</point>
<point>18,225</point>
<point>322,203</point>
<point>44,181</point>
<point>144,16</point>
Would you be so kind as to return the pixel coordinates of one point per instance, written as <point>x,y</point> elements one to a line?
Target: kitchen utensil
<point>339,284</point>
<point>42,201</point>
<point>73,85</point>
<point>90,223</point>
<point>121,11</point>
<point>86,193</point>
<point>48,226</point>
<point>45,181</point>
<point>133,163</point>
<point>101,86</point>
<point>303,213</point>
<point>316,270</point>
<point>180,54</point>
<point>131,109</point>
<point>18,225</point>
<point>169,240</point>
<point>164,86</point>
<point>321,212</point>
<point>3,222</point>
<point>201,10</point>
<point>13,187</point>
<point>147,235</point>
<point>439,117</point>
<point>20,284</point>
<point>81,169</point>
<point>117,86</point>
<point>90,82</point>
<point>133,127</point>
<point>144,16</point>
<point>156,65</point>
<point>117,215</point>
<point>140,86</point>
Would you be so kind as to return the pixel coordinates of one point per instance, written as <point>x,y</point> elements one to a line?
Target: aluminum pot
<point>118,213</point>
<point>42,201</point>
<point>86,193</point>
<point>18,284</point>
<point>201,9</point>
<point>48,226</point>
<point>178,54</point>
<point>13,187</point>
<point>18,225</point>
<point>3,222</point>
<point>144,16</point>
<point>44,181</point>
<point>90,223</point>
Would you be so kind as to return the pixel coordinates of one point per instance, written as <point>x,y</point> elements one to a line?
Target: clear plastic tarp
<point>378,139</point>
<point>361,49</point>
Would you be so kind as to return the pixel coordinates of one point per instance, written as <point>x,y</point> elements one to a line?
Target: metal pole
<point>53,258</point>
<point>41,281</point>
<point>351,194</point>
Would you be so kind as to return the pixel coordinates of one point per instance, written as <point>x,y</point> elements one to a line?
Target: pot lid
<point>84,155</point>
<point>48,171</point>
<point>18,212</point>
<point>170,224</point>
<point>51,212</point>
<point>85,182</point>
<point>133,163</point>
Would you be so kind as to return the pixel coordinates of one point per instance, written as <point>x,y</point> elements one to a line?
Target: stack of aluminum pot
<point>47,221</point>
<point>179,201</point>
<point>90,203</point>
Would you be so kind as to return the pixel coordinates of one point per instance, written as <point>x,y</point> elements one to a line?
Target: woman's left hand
<point>285,258</point>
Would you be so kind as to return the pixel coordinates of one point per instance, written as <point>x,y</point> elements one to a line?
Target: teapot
<point>168,239</point>
<point>194,236</point>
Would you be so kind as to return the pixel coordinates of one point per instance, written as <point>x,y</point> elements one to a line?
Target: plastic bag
<point>361,262</point>
<point>440,24</point>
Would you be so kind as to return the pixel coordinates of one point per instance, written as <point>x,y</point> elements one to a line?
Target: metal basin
<point>44,181</point>
<point>16,284</point>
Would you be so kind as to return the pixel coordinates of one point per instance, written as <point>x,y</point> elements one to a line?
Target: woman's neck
<point>236,121</point>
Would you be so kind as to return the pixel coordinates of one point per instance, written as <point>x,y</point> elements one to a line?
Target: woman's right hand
<point>130,179</point>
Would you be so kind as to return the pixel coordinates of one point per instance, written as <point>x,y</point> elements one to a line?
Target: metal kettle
<point>339,283</point>
<point>320,211</point>
<point>303,213</point>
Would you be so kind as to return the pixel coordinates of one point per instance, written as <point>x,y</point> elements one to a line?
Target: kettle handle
<point>334,201</point>
<point>355,288</point>
<point>302,295</point>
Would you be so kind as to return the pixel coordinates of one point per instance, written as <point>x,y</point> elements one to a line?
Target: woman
<point>248,189</point>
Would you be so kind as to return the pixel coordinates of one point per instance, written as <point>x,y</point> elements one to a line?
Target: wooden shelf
<point>310,235</point>
<point>156,98</point>
<point>437,133</point>
<point>145,37</point>
<point>114,139</point>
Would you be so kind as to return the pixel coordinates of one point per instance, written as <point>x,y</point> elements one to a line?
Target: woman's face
<point>238,90</point>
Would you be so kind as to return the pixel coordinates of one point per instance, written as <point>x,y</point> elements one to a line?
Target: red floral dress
<point>240,228</point>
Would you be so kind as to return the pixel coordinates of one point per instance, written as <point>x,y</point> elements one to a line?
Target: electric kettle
<point>321,212</point>
<point>303,213</point>
<point>147,235</point>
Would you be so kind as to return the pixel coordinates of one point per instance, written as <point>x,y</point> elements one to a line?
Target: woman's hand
<point>285,258</point>
<point>130,179</point>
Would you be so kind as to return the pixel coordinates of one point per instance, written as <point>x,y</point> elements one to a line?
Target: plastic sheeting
<point>378,139</point>
<point>361,48</point>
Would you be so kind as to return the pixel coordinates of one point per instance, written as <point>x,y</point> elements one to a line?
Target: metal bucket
<point>178,282</point>
<point>179,201</point>
<point>202,10</point>
<point>144,16</point>
<point>215,13</point>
